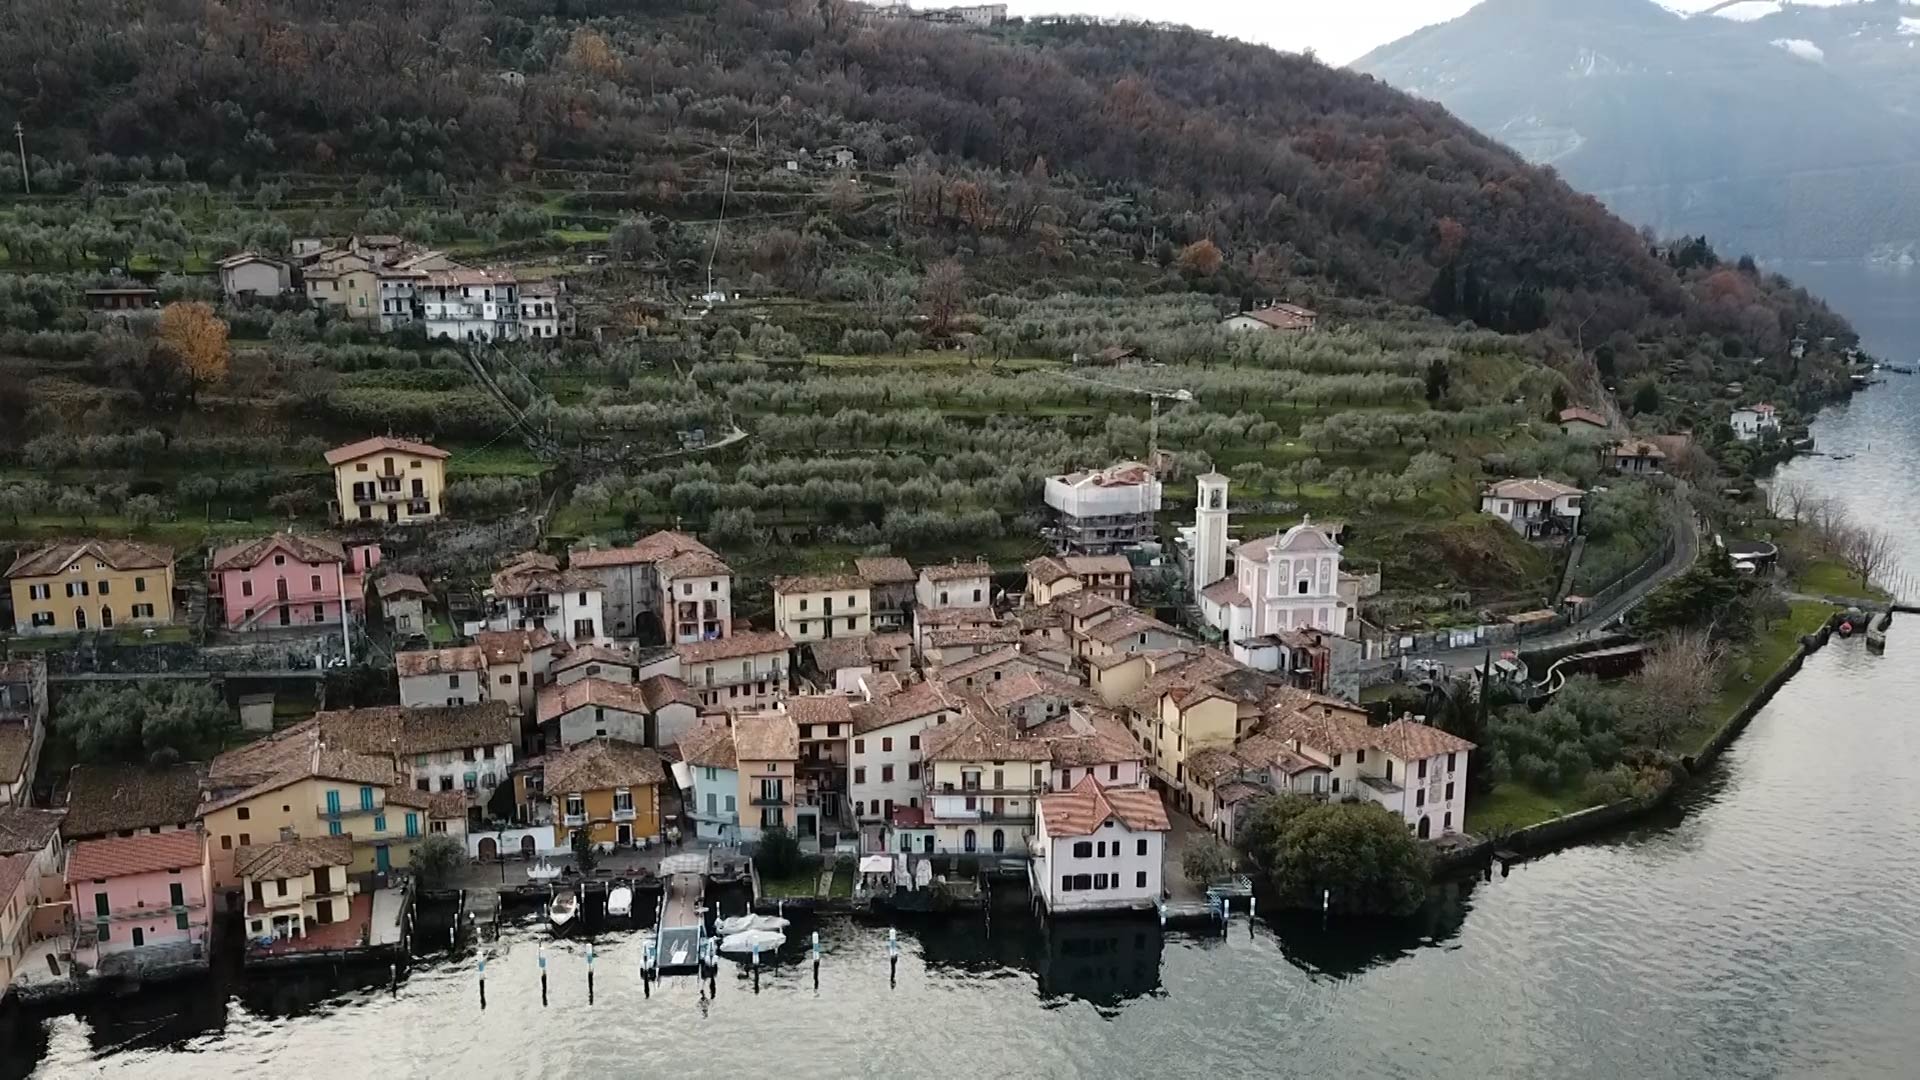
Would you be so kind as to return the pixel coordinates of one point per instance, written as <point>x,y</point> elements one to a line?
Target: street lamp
<point>20,136</point>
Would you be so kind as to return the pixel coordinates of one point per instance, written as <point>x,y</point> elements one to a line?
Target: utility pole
<point>26,178</point>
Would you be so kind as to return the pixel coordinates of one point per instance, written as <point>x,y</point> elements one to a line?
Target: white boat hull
<point>620,902</point>
<point>742,923</point>
<point>747,940</point>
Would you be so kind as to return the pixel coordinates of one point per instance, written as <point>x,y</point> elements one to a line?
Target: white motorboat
<point>740,924</point>
<point>748,941</point>
<point>565,906</point>
<point>619,902</point>
<point>542,872</point>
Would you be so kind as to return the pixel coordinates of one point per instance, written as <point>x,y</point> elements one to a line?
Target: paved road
<point>1684,554</point>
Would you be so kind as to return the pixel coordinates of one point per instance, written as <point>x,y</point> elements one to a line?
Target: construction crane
<point>1153,423</point>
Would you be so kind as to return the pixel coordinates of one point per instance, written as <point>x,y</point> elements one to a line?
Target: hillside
<point>917,228</point>
<point>1789,135</point>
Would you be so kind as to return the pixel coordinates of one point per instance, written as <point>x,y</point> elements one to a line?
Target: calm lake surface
<point>1768,927</point>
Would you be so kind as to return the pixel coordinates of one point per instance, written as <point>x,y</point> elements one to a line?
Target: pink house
<point>131,892</point>
<point>289,580</point>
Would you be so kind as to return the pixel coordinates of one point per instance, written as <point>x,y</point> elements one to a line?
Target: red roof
<point>141,853</point>
<point>354,451</point>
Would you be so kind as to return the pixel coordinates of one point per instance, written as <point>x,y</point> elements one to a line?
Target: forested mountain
<point>1783,130</point>
<point>1304,178</point>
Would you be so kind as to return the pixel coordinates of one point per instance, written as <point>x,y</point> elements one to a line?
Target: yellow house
<point>295,886</point>
<point>91,585</point>
<point>347,282</point>
<point>295,784</point>
<point>607,787</point>
<point>822,606</point>
<point>388,479</point>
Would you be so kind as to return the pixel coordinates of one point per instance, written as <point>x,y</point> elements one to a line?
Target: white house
<point>1098,849</point>
<point>1534,508</point>
<point>532,593</point>
<point>652,713</point>
<point>885,756</point>
<point>713,782</point>
<point>1417,771</point>
<point>1099,512</point>
<point>1281,317</point>
<point>821,606</point>
<point>541,313</point>
<point>1288,581</point>
<point>957,584</point>
<point>696,597</point>
<point>746,670</point>
<point>250,274</point>
<point>1752,421</point>
<point>463,304</point>
<point>442,677</point>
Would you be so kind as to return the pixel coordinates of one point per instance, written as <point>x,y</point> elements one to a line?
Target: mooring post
<point>589,972</point>
<point>393,973</point>
<point>893,956</point>
<point>483,984</point>
<point>543,976</point>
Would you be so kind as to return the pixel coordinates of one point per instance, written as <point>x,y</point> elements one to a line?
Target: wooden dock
<point>681,924</point>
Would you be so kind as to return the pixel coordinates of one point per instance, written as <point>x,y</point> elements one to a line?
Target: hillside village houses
<point>84,585</point>
<point>822,606</point>
<point>385,479</point>
<point>666,586</point>
<point>954,585</point>
<point>746,670</point>
<point>654,713</point>
<point>1584,424</point>
<point>290,580</point>
<point>1537,509</point>
<point>1283,318</point>
<point>403,603</point>
<point>531,592</point>
<point>1101,512</point>
<point>23,726</point>
<point>1050,577</point>
<point>890,584</point>
<point>1750,422</point>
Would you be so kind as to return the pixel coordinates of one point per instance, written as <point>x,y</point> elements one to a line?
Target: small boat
<point>565,907</point>
<point>542,872</point>
<point>750,941</point>
<point>740,924</point>
<point>619,902</point>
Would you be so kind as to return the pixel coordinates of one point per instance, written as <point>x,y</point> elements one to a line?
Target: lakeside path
<point>1684,554</point>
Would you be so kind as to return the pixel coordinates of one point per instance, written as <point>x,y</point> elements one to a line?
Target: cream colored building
<point>91,585</point>
<point>293,886</point>
<point>398,481</point>
<point>981,783</point>
<point>346,282</point>
<point>820,607</point>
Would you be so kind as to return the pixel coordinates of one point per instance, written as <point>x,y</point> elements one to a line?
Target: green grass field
<point>1766,654</point>
<point>1824,577</point>
<point>1515,806</point>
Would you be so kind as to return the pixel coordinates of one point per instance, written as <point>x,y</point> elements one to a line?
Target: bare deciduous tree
<point>1867,550</point>
<point>1675,686</point>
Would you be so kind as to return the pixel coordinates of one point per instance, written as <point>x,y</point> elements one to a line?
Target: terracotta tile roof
<point>1305,536</point>
<point>313,550</point>
<point>1098,564</point>
<point>1329,733</point>
<point>692,564</point>
<point>593,654</point>
<point>1120,474</point>
<point>1225,592</point>
<point>1644,448</point>
<point>833,654</point>
<point>765,737</point>
<point>1578,414</point>
<point>1126,624</point>
<point>660,691</point>
<point>974,738</point>
<point>709,748</point>
<point>511,646</point>
<point>1538,489</point>
<point>913,702</point>
<point>531,573</point>
<point>1236,791</point>
<point>1032,684</point>
<point>141,853</point>
<point>286,757</point>
<point>13,871</point>
<point>968,666</point>
<point>742,643</point>
<point>1087,736</point>
<point>292,858</point>
<point>885,570</point>
<point>603,763</point>
<point>1209,764</point>
<point>353,451</point>
<point>1412,741</point>
<point>16,744</point>
<point>820,709</point>
<point>957,571</point>
<point>437,804</point>
<point>648,549</point>
<point>118,554</point>
<point>956,636</point>
<point>1081,605</point>
<point>391,585</point>
<point>820,583</point>
<point>1088,806</point>
<point>25,829</point>
<point>557,701</point>
<point>1281,317</point>
<point>105,799</point>
<point>934,618</point>
<point>396,729</point>
<point>1046,570</point>
<point>439,661</point>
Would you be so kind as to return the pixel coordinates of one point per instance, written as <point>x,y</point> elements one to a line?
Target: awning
<point>683,776</point>
<point>876,864</point>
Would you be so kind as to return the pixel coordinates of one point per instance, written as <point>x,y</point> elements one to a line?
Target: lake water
<point>1768,926</point>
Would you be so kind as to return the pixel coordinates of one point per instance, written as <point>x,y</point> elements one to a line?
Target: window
<point>1450,762</point>
<point>1449,791</point>
<point>1066,882</point>
<point>43,618</point>
<point>976,596</point>
<point>1143,846</point>
<point>913,742</point>
<point>803,603</point>
<point>379,823</point>
<point>1423,768</point>
<point>243,814</point>
<point>1100,850</point>
<point>316,583</point>
<point>886,745</point>
<point>245,839</point>
<point>446,783</point>
<point>859,746</point>
<point>1140,880</point>
<point>139,584</point>
<point>453,682</point>
<point>851,624</point>
<point>860,775</point>
<point>100,902</point>
<point>1083,850</point>
<point>913,770</point>
<point>280,886</point>
<point>1336,785</point>
<point>1360,757</point>
<point>176,894</point>
<point>319,613</point>
<point>943,598</point>
<point>576,806</point>
<point>103,587</point>
<point>1336,761</point>
<point>333,828</point>
<point>226,843</point>
<point>1113,773</point>
<point>1099,881</point>
<point>886,774</point>
<point>859,808</point>
<point>180,920</point>
<point>1420,797</point>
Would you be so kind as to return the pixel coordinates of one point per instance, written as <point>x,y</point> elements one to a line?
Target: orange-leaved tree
<point>199,337</point>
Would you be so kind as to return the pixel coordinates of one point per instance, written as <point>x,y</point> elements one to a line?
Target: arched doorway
<point>106,617</point>
<point>926,843</point>
<point>1446,822</point>
<point>527,846</point>
<point>79,618</point>
<point>970,842</point>
<point>999,840</point>
<point>1426,827</point>
<point>488,848</point>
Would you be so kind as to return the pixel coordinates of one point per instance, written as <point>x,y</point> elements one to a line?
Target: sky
<point>1338,31</point>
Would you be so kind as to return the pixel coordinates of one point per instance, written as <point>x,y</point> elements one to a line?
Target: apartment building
<point>390,480</point>
<point>85,585</point>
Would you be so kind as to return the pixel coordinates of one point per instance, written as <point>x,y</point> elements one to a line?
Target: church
<point>1284,582</point>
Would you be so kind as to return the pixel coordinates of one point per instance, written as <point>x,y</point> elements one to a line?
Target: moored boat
<point>561,913</point>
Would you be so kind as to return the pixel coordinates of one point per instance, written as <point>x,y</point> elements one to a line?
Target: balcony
<point>623,814</point>
<point>769,798</point>
<point>335,813</point>
<point>143,911</point>
<point>573,821</point>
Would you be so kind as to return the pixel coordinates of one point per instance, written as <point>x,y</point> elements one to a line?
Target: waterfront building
<point>32,892</point>
<point>294,886</point>
<point>745,670</point>
<point>531,592</point>
<point>384,479</point>
<point>1098,848</point>
<point>1416,771</point>
<point>885,756</point>
<point>1750,422</point>
<point>766,746</point>
<point>711,792</point>
<point>607,787</point>
<point>890,580</point>
<point>148,890</point>
<point>823,724</point>
<point>82,585</point>
<point>1192,700</point>
<point>981,782</point>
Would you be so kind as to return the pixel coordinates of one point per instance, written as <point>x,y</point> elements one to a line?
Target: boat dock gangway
<point>683,914</point>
